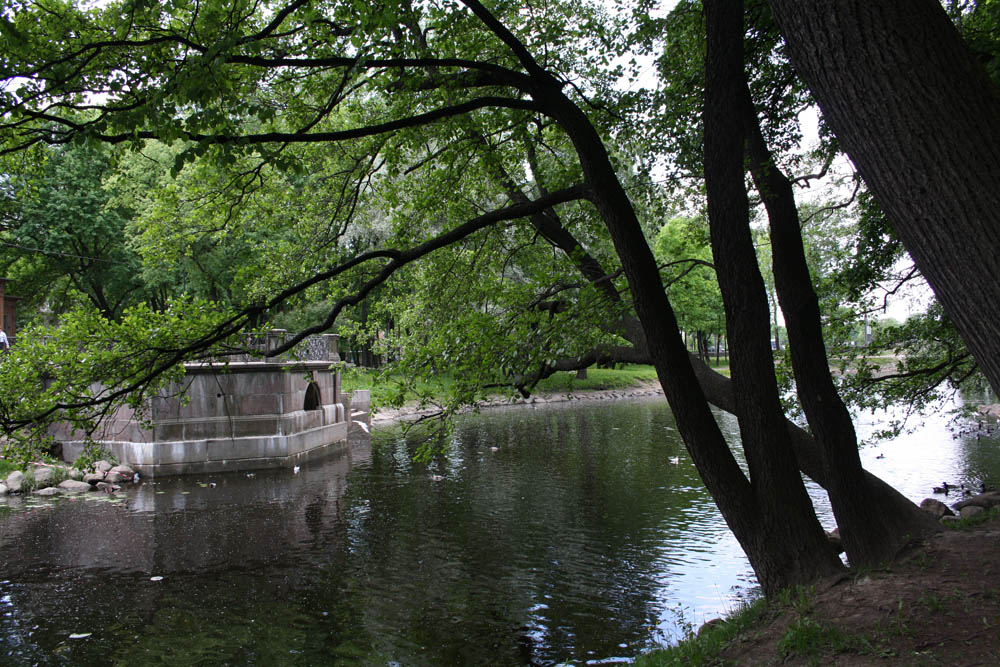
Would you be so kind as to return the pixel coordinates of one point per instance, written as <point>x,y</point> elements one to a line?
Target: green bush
<point>91,454</point>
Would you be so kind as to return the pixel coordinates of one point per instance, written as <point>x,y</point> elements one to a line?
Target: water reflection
<point>539,536</point>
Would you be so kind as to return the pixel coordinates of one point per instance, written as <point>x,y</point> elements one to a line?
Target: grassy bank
<point>937,603</point>
<point>597,379</point>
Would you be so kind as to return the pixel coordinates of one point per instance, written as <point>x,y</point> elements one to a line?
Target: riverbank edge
<point>386,417</point>
<point>932,604</point>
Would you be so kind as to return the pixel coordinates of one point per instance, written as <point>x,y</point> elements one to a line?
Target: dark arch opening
<point>313,400</point>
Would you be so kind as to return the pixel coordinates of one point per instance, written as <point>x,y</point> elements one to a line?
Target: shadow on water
<point>570,533</point>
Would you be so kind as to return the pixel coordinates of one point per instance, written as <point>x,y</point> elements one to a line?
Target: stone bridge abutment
<point>242,412</point>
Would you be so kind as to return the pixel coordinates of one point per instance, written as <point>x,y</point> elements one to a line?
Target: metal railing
<point>252,347</point>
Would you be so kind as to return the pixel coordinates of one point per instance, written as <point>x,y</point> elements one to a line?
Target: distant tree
<point>64,239</point>
<point>682,248</point>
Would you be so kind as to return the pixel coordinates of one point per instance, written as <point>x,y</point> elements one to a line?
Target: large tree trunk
<point>778,560</point>
<point>920,120</point>
<point>869,534</point>
<point>786,511</point>
<point>893,508</point>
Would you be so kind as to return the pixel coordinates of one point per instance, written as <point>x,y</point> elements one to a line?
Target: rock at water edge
<point>44,476</point>
<point>936,507</point>
<point>48,491</point>
<point>124,470</point>
<point>102,466</point>
<point>833,537</point>
<point>74,486</point>
<point>15,481</point>
<point>971,510</point>
<point>3,489</point>
<point>985,500</point>
<point>93,477</point>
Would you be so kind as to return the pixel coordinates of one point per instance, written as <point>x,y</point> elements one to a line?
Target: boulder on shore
<point>971,510</point>
<point>986,500</point>
<point>124,471</point>
<point>936,507</point>
<point>102,466</point>
<point>833,537</point>
<point>44,475</point>
<point>990,410</point>
<point>48,491</point>
<point>15,481</point>
<point>74,486</point>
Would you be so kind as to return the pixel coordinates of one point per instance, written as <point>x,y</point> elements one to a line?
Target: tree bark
<point>704,441</point>
<point>920,119</point>
<point>893,507</point>
<point>869,535</point>
<point>787,513</point>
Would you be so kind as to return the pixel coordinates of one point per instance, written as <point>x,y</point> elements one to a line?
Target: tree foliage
<point>445,168</point>
<point>682,245</point>
<point>57,373</point>
<point>65,236</point>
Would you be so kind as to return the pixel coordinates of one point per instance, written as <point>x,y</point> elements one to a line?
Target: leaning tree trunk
<point>892,505</point>
<point>786,510</point>
<point>920,119</point>
<point>778,563</point>
<point>869,534</point>
<point>895,508</point>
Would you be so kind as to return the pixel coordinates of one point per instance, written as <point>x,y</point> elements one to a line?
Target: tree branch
<point>400,258</point>
<point>308,137</point>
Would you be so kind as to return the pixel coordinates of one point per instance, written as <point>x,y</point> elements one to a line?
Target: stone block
<point>274,447</point>
<point>260,382</point>
<point>361,399</point>
<point>162,407</point>
<point>179,452</point>
<point>256,426</point>
<point>259,404</point>
<point>136,453</point>
<point>232,448</point>
<point>168,431</point>
<point>205,429</point>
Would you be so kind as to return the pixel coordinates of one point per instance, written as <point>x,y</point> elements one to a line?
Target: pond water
<point>569,533</point>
